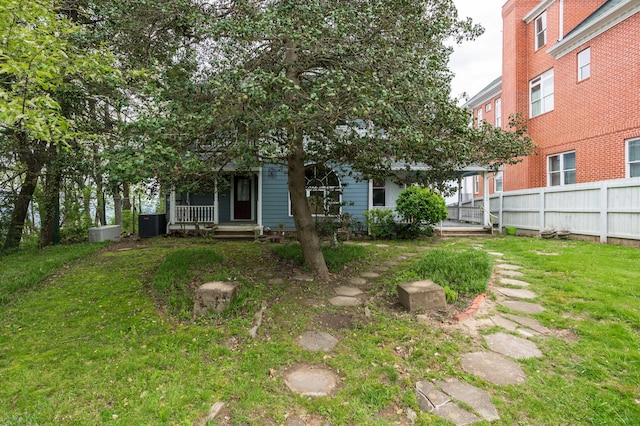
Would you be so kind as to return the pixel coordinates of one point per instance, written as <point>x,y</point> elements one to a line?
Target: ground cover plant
<point>93,345</point>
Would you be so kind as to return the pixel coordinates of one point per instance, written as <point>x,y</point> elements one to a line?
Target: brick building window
<point>498,112</point>
<point>487,107</point>
<point>541,30</point>
<point>480,117</point>
<point>541,93</point>
<point>633,158</point>
<point>561,169</point>
<point>476,184</point>
<point>379,193</point>
<point>497,182</point>
<point>584,64</point>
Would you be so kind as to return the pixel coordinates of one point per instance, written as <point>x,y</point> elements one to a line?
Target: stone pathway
<point>450,399</point>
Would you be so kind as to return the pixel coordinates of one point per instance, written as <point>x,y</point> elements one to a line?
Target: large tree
<point>362,83</point>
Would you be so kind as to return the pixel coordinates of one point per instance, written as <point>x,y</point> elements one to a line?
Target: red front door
<point>241,198</point>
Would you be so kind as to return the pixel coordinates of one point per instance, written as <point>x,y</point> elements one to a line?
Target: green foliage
<point>450,295</point>
<point>380,223</point>
<point>129,220</point>
<point>336,257</point>
<point>421,205</point>
<point>465,272</point>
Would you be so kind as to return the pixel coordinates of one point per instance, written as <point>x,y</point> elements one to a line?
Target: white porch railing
<point>465,214</point>
<point>195,214</point>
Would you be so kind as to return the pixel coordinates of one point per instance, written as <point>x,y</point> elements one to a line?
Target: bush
<point>380,223</point>
<point>421,205</point>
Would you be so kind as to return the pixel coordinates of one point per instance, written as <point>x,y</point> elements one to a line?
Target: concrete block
<point>421,296</point>
<point>104,233</point>
<point>213,296</point>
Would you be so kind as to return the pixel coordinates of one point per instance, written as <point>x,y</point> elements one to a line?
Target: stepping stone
<point>391,263</point>
<point>276,281</point>
<point>516,292</point>
<point>311,381</point>
<point>527,333</point>
<point>401,258</point>
<point>493,368</point>
<point>411,254</point>
<point>382,245</point>
<point>430,398</point>
<point>345,301</point>
<point>504,323</point>
<point>306,278</point>
<point>380,268</point>
<point>348,291</point>
<point>528,322</point>
<point>508,266</point>
<point>509,273</point>
<point>512,346</point>
<point>511,281</point>
<point>370,275</point>
<point>456,414</point>
<point>474,397</point>
<point>547,253</point>
<point>357,281</point>
<point>523,307</point>
<point>316,341</point>
<point>495,253</point>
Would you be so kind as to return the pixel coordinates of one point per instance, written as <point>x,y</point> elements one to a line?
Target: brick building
<point>571,68</point>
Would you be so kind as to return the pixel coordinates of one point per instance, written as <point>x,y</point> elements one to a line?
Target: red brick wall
<point>577,11</point>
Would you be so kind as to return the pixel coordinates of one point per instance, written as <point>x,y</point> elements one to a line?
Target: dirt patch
<point>335,321</point>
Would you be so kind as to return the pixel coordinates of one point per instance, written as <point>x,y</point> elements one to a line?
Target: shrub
<point>421,205</point>
<point>380,223</point>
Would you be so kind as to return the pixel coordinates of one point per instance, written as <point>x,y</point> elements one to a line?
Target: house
<point>571,69</point>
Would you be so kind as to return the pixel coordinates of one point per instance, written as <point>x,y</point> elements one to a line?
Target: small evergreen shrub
<point>421,205</point>
<point>380,223</point>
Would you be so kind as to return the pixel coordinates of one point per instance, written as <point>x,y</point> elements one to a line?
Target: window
<point>476,184</point>
<point>498,112</point>
<point>584,64</point>
<point>541,30</point>
<point>561,169</point>
<point>379,194</point>
<point>541,93</point>
<point>497,182</point>
<point>323,190</point>
<point>487,107</point>
<point>633,158</point>
<point>480,117</point>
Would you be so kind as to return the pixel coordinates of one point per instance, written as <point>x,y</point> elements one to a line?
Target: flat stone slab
<point>495,253</point>
<point>370,275</point>
<point>380,268</point>
<point>456,414</point>
<point>511,281</point>
<point>493,368</point>
<point>528,322</point>
<point>357,281</point>
<point>500,321</point>
<point>512,346</point>
<point>508,266</point>
<point>276,281</point>
<point>312,381</point>
<point>509,273</point>
<point>391,263</point>
<point>345,301</point>
<point>429,397</point>
<point>382,245</point>
<point>317,341</point>
<point>476,398</point>
<point>421,295</point>
<point>348,291</point>
<point>523,307</point>
<point>516,292</point>
<point>307,278</point>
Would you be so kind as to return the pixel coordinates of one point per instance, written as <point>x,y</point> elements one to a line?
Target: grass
<point>335,257</point>
<point>100,344</point>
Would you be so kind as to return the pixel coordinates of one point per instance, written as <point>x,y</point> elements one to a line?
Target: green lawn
<point>97,341</point>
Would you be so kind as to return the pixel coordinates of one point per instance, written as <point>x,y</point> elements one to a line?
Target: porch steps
<point>463,231</point>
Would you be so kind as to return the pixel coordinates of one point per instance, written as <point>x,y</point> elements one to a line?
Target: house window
<point>497,182</point>
<point>476,184</point>
<point>323,190</point>
<point>487,107</point>
<point>541,93</point>
<point>541,30</point>
<point>379,193</point>
<point>498,113</point>
<point>633,158</point>
<point>480,117</point>
<point>561,169</point>
<point>584,64</point>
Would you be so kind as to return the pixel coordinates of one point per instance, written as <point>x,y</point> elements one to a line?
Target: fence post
<point>542,209</point>
<point>500,201</point>
<point>604,207</point>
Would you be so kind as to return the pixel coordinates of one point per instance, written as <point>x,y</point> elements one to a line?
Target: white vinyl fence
<point>606,209</point>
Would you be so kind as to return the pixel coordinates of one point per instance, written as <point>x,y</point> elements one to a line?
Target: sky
<point>477,63</point>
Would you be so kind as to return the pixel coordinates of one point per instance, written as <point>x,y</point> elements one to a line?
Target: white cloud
<point>476,63</point>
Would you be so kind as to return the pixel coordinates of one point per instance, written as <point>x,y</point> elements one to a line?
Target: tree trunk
<point>117,208</point>
<point>21,206</point>
<point>51,202</point>
<point>126,197</point>
<point>305,228</point>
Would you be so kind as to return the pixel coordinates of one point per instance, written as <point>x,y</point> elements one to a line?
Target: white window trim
<point>545,79</point>
<point>479,117</point>
<point>562,169</point>
<point>498,176</point>
<point>476,184</point>
<point>627,160</point>
<point>372,187</point>
<point>339,188</point>
<point>585,65</point>
<point>487,107</point>
<point>499,112</point>
<point>543,18</point>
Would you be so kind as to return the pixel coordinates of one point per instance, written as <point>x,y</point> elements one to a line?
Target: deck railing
<point>195,214</point>
<point>465,214</point>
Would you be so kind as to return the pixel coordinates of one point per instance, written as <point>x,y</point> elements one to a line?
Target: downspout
<point>561,21</point>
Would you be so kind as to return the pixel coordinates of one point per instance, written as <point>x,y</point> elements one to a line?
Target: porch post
<point>485,200</point>
<point>216,204</point>
<point>172,206</point>
<point>259,200</point>
<point>460,199</point>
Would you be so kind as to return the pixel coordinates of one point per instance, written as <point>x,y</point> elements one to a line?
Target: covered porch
<point>233,207</point>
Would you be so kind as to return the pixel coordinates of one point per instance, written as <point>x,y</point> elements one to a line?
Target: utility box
<point>151,225</point>
<point>104,233</point>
